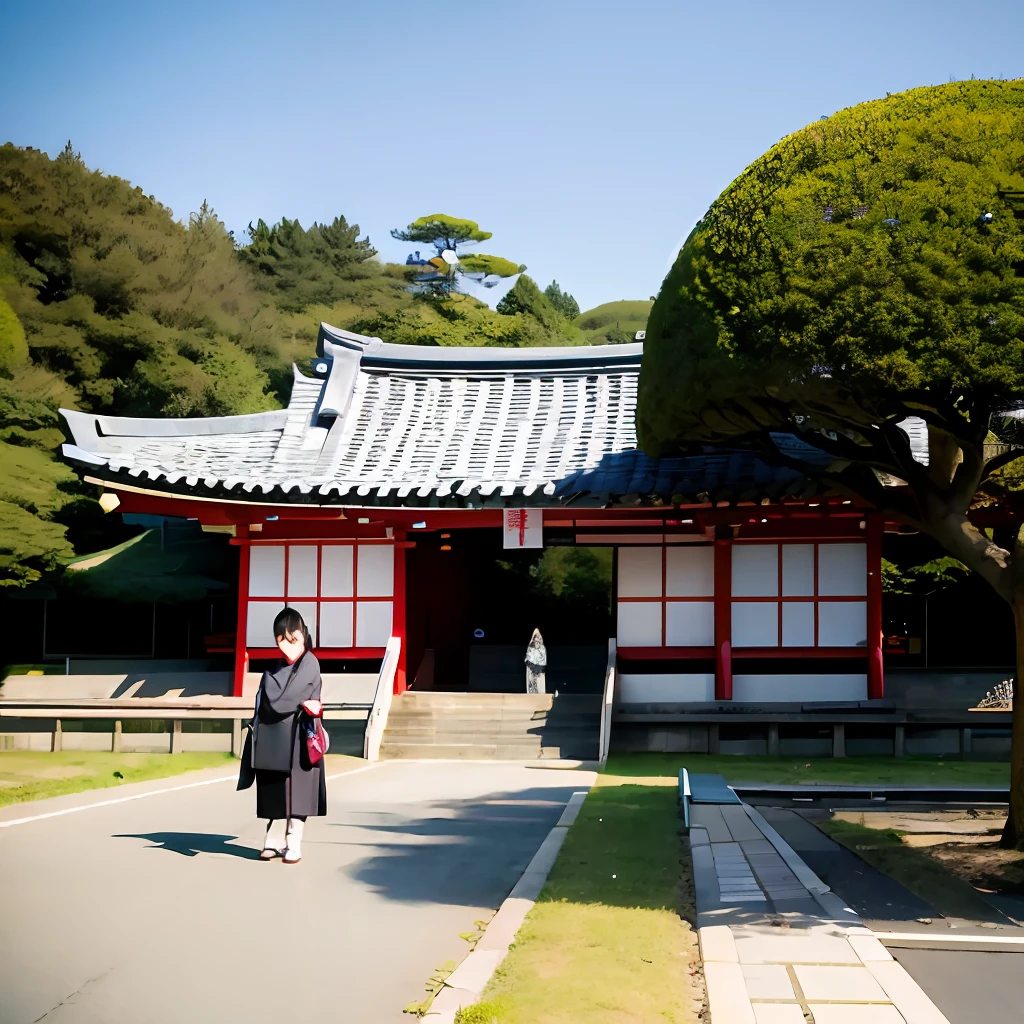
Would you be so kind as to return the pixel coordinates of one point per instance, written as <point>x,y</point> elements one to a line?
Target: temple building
<point>396,472</point>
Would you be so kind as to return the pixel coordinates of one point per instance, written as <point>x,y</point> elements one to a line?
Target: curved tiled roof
<point>397,425</point>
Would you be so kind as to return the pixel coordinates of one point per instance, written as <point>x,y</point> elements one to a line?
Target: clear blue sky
<point>589,137</point>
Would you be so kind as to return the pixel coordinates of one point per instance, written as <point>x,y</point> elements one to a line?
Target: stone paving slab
<point>767,981</point>
<point>837,1013</point>
<point>850,984</point>
<point>778,1013</point>
<point>777,946</point>
<point>709,817</point>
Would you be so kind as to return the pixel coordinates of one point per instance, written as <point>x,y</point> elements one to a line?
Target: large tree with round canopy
<point>867,269</point>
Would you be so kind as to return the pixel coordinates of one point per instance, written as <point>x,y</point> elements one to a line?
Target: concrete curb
<point>464,986</point>
<point>807,878</point>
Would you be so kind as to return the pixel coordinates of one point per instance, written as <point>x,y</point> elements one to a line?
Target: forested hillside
<point>110,304</point>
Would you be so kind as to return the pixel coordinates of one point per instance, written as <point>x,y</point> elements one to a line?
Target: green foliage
<point>442,231</point>
<point>121,309</point>
<point>577,574</point>
<point>481,263</point>
<point>615,323</point>
<point>136,312</point>
<point>562,301</point>
<point>302,267</point>
<point>852,275</point>
<point>527,300</point>
<point>34,490</point>
<point>453,320</point>
<point>110,305</point>
<point>937,574</point>
<point>13,347</point>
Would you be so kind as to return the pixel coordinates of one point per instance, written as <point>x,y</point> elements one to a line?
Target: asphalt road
<point>967,985</point>
<point>157,911</point>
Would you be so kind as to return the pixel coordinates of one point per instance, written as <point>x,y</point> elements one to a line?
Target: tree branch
<point>967,477</point>
<point>1003,459</point>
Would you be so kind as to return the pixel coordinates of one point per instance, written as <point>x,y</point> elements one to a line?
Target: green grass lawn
<point>621,319</point>
<point>608,940</point>
<point>31,775</point>
<point>907,771</point>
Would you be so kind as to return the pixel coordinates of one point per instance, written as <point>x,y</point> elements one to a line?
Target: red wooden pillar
<point>876,672</point>
<point>241,655</point>
<point>398,622</point>
<point>723,620</point>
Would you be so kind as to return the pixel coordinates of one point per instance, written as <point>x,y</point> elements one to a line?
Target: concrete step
<point>471,715</point>
<point>485,726</point>
<point>442,699</point>
<point>469,752</point>
<point>492,730</point>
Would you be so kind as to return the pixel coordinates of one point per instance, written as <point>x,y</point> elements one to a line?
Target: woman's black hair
<point>290,621</point>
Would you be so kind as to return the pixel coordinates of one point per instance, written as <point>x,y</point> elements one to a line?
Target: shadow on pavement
<point>623,851</point>
<point>458,852</point>
<point>190,844</point>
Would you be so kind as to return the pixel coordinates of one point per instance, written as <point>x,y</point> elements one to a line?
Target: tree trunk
<point>1013,834</point>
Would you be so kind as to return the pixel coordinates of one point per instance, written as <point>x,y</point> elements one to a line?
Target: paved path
<point>777,946</point>
<point>155,911</point>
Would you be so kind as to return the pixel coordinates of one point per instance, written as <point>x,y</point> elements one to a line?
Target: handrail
<point>377,720</point>
<point>607,703</point>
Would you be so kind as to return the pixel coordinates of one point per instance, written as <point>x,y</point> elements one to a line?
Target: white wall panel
<point>373,623</point>
<point>639,624</point>
<point>755,570</point>
<point>640,572</point>
<point>302,563</point>
<point>797,570</point>
<point>689,623</point>
<point>690,571</point>
<point>797,623</point>
<point>842,624</point>
<point>336,624</point>
<point>786,687</point>
<point>842,570</point>
<point>266,570</point>
<point>307,609</point>
<point>696,687</point>
<point>259,623</point>
<point>375,571</point>
<point>336,571</point>
<point>755,624</point>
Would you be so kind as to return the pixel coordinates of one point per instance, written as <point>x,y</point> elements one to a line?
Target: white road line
<point>356,771</point>
<point>117,800</point>
<point>155,792</point>
<point>1003,940</point>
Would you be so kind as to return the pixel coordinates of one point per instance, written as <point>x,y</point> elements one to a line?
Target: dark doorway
<point>473,606</point>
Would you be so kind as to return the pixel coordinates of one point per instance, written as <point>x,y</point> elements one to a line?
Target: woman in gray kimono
<point>288,788</point>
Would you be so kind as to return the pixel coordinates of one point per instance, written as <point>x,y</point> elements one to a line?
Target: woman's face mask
<point>291,645</point>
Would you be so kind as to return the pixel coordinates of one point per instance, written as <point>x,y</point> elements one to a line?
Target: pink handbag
<point>317,743</point>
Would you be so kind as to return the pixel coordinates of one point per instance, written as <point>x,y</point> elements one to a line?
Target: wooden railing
<point>377,721</point>
<point>608,702</point>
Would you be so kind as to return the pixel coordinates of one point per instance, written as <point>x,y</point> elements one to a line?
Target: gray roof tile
<point>396,425</point>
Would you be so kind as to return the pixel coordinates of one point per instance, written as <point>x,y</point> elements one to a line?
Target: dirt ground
<point>983,864</point>
<point>964,842</point>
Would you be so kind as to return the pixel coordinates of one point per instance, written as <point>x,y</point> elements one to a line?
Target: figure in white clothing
<point>536,663</point>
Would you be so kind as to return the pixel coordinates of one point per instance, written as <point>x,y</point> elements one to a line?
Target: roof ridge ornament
<point>450,360</point>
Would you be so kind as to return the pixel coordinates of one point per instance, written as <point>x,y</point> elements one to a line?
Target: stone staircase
<point>498,726</point>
